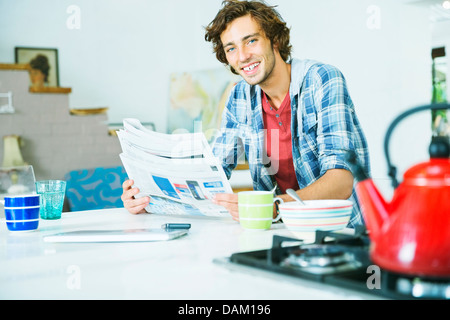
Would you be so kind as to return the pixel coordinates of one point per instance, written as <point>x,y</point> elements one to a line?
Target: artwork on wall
<point>197,100</point>
<point>43,65</point>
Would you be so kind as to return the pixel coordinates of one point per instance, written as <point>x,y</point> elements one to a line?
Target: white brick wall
<point>55,142</point>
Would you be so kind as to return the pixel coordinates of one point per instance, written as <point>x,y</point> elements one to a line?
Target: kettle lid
<point>435,172</point>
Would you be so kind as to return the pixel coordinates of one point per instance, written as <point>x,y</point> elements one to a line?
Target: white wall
<point>387,66</point>
<point>122,56</point>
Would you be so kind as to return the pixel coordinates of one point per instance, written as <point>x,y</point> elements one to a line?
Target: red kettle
<point>411,233</point>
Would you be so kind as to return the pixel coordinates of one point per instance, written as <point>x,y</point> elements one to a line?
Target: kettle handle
<point>392,170</point>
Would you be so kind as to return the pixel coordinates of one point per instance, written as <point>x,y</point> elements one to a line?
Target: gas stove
<point>340,260</point>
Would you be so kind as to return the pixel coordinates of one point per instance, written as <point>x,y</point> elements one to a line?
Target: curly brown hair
<point>267,17</point>
<point>40,62</point>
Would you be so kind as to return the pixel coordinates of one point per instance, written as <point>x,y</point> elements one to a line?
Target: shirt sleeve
<point>336,119</point>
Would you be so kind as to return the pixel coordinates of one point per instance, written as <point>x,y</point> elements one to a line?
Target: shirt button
<point>277,116</point>
<point>280,123</point>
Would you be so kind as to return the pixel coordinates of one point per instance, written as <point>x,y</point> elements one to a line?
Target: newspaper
<point>178,171</point>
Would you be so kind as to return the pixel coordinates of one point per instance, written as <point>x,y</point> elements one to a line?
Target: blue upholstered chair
<point>97,188</point>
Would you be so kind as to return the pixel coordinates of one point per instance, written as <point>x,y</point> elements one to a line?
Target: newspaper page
<point>177,171</point>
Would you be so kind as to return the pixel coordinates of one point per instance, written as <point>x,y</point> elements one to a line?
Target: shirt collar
<point>299,68</point>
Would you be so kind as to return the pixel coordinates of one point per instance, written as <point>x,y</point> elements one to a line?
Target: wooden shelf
<point>14,66</point>
<point>51,90</point>
<point>88,112</point>
<point>26,67</point>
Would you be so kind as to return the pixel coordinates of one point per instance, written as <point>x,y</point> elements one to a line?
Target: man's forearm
<point>334,184</point>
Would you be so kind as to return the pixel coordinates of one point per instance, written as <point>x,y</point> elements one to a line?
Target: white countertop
<point>177,269</point>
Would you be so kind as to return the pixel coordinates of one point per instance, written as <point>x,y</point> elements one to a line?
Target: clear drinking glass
<point>52,194</point>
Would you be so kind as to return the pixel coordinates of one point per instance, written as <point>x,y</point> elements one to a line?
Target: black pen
<point>172,226</point>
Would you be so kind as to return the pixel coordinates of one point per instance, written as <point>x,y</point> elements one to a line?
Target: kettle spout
<point>374,208</point>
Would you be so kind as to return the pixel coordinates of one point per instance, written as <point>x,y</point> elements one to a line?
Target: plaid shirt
<point>324,126</point>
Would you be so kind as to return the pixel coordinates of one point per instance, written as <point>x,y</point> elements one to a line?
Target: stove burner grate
<point>322,259</point>
<point>340,260</point>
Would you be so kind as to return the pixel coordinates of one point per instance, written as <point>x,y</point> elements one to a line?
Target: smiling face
<point>248,51</point>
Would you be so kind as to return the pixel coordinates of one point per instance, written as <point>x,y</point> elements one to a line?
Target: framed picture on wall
<point>43,65</point>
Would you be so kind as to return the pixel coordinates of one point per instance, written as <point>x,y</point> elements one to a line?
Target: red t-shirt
<point>278,126</point>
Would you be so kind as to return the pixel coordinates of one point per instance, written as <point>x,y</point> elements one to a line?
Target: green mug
<point>256,209</point>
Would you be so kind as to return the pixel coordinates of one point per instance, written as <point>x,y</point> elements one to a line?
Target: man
<point>294,119</point>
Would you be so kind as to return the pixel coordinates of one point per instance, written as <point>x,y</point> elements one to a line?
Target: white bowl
<point>328,215</point>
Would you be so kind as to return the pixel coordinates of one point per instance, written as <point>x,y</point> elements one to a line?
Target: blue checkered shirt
<point>324,127</point>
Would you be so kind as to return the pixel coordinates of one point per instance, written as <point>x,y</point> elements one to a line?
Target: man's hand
<point>134,206</point>
<point>230,202</point>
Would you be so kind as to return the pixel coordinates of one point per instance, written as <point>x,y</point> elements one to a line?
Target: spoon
<point>273,190</point>
<point>294,195</point>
